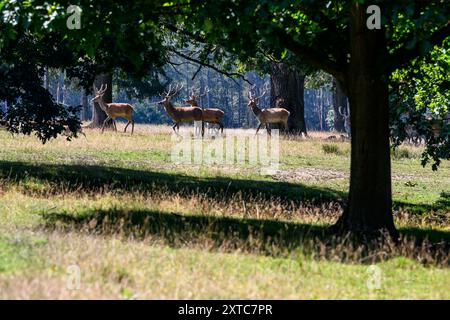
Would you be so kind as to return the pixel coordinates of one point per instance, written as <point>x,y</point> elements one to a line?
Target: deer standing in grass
<point>180,114</point>
<point>210,115</point>
<point>114,110</point>
<point>269,115</point>
<point>345,113</point>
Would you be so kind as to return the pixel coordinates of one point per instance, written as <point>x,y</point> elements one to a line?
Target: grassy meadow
<point>136,225</point>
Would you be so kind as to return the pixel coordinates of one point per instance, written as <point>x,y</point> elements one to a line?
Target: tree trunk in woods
<point>287,88</point>
<point>319,103</point>
<point>4,109</point>
<point>369,210</point>
<point>339,105</point>
<point>46,80</point>
<point>84,106</point>
<point>61,88</point>
<point>242,111</point>
<point>57,92</point>
<point>98,115</point>
<point>208,95</point>
<point>62,77</point>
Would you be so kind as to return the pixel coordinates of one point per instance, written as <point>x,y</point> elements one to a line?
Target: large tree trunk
<point>339,105</point>
<point>98,115</point>
<point>369,211</point>
<point>287,88</point>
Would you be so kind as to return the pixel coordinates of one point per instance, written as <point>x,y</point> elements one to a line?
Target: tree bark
<point>339,105</point>
<point>287,88</point>
<point>369,209</point>
<point>98,115</point>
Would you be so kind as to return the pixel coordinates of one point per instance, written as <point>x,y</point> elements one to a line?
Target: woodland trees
<point>287,90</point>
<point>329,35</point>
<point>334,37</point>
<point>340,106</point>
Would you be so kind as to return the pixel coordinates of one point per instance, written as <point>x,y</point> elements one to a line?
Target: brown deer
<point>210,115</point>
<point>114,110</point>
<point>269,115</point>
<point>180,114</point>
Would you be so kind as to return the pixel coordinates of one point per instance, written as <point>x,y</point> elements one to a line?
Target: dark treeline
<point>228,94</point>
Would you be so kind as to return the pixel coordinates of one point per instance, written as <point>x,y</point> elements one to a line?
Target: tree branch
<point>231,75</point>
<point>196,72</point>
<point>402,55</point>
<point>175,29</point>
<point>311,56</point>
<point>173,64</point>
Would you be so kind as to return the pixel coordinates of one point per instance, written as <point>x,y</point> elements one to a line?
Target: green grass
<point>139,226</point>
<point>121,270</point>
<point>333,149</point>
<point>14,255</point>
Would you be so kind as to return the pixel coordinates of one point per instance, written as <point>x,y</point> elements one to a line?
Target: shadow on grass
<point>92,178</point>
<point>441,206</point>
<point>268,237</point>
<point>95,177</point>
<point>263,237</point>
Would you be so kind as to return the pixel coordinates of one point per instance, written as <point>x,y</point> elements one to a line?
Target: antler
<point>262,95</point>
<point>252,97</point>
<point>167,93</point>
<point>195,92</point>
<point>250,94</point>
<point>345,113</point>
<point>170,94</point>
<point>101,90</point>
<point>265,89</point>
<point>177,89</point>
<point>205,92</point>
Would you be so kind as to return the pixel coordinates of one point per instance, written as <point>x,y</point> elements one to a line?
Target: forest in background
<point>228,94</point>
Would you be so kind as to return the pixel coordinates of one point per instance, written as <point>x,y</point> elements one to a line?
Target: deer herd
<point>214,116</point>
<point>191,113</point>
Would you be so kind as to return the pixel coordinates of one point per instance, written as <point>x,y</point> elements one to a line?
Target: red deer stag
<point>114,110</point>
<point>210,115</point>
<point>269,115</point>
<point>345,113</point>
<point>180,114</point>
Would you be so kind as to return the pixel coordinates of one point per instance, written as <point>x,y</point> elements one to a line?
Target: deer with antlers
<point>180,114</point>
<point>345,113</point>
<point>269,115</point>
<point>210,115</point>
<point>114,110</point>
